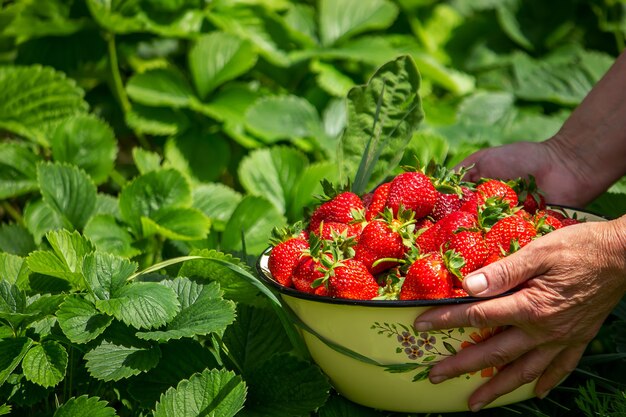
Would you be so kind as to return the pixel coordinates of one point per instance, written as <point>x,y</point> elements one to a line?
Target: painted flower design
<point>414,352</point>
<point>477,337</point>
<point>427,341</point>
<point>406,339</point>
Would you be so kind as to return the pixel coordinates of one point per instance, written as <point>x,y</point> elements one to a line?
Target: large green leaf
<point>285,386</point>
<point>86,142</point>
<point>253,220</point>
<point>69,191</point>
<point>105,274</point>
<point>217,202</point>
<point>219,57</point>
<point>160,87</point>
<point>273,173</point>
<point>16,239</point>
<point>203,156</point>
<point>40,218</point>
<point>45,364</point>
<point>142,305</point>
<point>151,192</point>
<point>216,393</point>
<point>158,121</point>
<point>340,20</point>
<point>203,311</point>
<point>309,185</point>
<point>33,100</point>
<point>13,305</point>
<point>12,351</point>
<point>80,321</point>
<point>13,269</point>
<point>382,117</point>
<point>109,236</point>
<point>18,169</point>
<point>111,362</point>
<point>85,406</point>
<point>178,223</point>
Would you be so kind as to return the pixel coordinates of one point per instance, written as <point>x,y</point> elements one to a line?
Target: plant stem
<point>11,211</point>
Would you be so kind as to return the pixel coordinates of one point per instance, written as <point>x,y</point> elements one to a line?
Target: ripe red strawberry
<point>493,257</point>
<point>326,230</point>
<point>446,204</point>
<point>505,231</point>
<point>545,222</point>
<point>491,188</point>
<point>288,245</point>
<point>341,208</point>
<point>529,195</point>
<point>306,272</point>
<point>414,191</point>
<point>351,279</point>
<point>554,213</point>
<point>428,238</point>
<point>469,201</point>
<point>452,223</point>
<point>458,293</point>
<point>378,200</point>
<point>387,237</point>
<point>568,221</point>
<point>471,246</point>
<point>427,279</point>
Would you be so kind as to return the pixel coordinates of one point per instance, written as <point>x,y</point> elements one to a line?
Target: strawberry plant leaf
<point>219,57</point>
<point>285,386</point>
<point>309,185</point>
<point>86,142</point>
<point>254,337</point>
<point>340,21</point>
<point>80,321</point>
<point>35,99</point>
<point>158,121</point>
<point>69,191</point>
<point>16,239</point>
<point>109,236</point>
<point>177,224</point>
<point>146,161</point>
<point>273,173</point>
<point>213,392</point>
<point>142,305</point>
<point>217,202</point>
<point>256,216</point>
<point>83,406</point>
<point>5,409</point>
<point>45,364</point>
<point>111,362</point>
<point>18,169</point>
<point>12,351</point>
<point>12,299</point>
<point>382,116</point>
<point>13,269</point>
<point>105,274</point>
<point>203,311</point>
<point>161,87</point>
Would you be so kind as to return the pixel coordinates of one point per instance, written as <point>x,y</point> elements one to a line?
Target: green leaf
<point>83,406</point>
<point>151,192</point>
<point>13,269</point>
<point>158,121</point>
<point>12,351</point>
<point>216,393</point>
<point>285,386</point>
<point>203,311</point>
<point>80,321</point>
<point>146,161</point>
<point>342,20</point>
<point>16,239</point>
<point>160,87</point>
<point>203,156</point>
<point>33,100</point>
<point>69,191</point>
<point>338,406</point>
<point>511,26</point>
<point>30,19</point>
<point>309,185</point>
<point>18,169</point>
<point>273,173</point>
<point>426,146</point>
<point>5,409</point>
<point>45,364</point>
<point>254,217</point>
<point>254,337</point>
<point>108,236</point>
<point>87,142</point>
<point>219,57</point>
<point>112,362</point>
<point>177,224</point>
<point>331,80</point>
<point>273,118</point>
<point>382,117</point>
<point>217,202</point>
<point>142,305</point>
<point>105,274</point>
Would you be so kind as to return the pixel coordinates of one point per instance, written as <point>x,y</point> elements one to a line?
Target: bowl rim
<point>267,279</point>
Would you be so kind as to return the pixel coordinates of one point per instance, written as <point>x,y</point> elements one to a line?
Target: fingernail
<point>476,406</point>
<point>476,284</point>
<point>543,395</point>
<point>423,326</point>
<point>438,379</point>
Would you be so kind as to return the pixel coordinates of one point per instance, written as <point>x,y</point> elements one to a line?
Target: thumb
<point>502,275</point>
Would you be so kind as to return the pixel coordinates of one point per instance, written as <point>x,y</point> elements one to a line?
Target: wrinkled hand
<point>569,280</point>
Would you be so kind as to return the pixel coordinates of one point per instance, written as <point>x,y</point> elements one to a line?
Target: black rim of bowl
<point>267,278</point>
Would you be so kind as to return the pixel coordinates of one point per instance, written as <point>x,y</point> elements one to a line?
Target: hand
<point>558,172</point>
<point>569,280</point>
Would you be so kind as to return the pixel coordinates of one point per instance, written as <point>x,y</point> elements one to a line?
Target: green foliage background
<point>138,131</point>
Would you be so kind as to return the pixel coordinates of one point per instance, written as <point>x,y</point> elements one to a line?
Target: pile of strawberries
<point>413,238</point>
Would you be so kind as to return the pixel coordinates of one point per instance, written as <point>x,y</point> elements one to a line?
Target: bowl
<point>374,357</point>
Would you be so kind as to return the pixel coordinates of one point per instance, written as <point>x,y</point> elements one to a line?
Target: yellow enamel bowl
<point>374,357</point>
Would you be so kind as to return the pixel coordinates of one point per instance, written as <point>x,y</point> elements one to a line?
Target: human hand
<point>569,280</point>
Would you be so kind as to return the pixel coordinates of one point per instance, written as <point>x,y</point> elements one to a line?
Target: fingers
<point>563,365</point>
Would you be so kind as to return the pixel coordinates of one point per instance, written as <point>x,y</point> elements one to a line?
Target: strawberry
<point>451,224</point>
<point>306,272</point>
<point>341,207</point>
<point>509,229</point>
<point>554,213</point>
<point>414,191</point>
<point>288,245</point>
<point>387,237</point>
<point>469,200</point>
<point>458,293</point>
<point>529,195</point>
<point>326,230</point>
<point>427,279</point>
<point>568,221</point>
<point>471,246</point>
<point>446,204</point>
<point>351,279</point>
<point>427,238</point>
<point>491,188</point>
<point>545,222</point>
<point>378,200</point>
